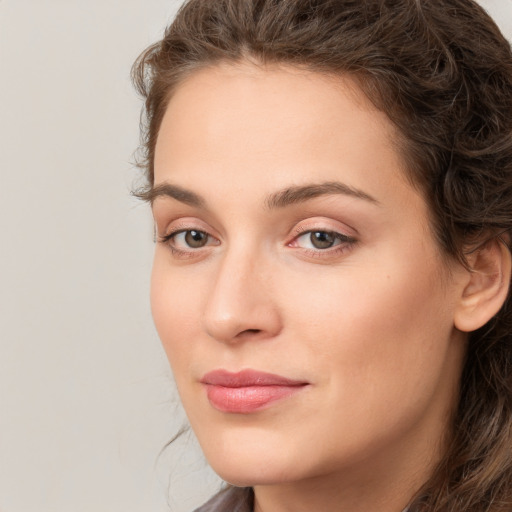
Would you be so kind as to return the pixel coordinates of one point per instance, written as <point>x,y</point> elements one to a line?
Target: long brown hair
<point>442,72</point>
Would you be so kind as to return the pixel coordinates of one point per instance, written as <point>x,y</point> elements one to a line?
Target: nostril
<point>249,331</point>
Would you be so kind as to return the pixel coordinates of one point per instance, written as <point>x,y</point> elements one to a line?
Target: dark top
<point>232,499</point>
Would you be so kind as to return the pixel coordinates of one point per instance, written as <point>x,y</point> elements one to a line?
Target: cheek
<point>375,327</point>
<point>377,343</point>
<point>175,305</point>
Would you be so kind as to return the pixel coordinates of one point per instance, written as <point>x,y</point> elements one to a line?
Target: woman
<point>331,183</point>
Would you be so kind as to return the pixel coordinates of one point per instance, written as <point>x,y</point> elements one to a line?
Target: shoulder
<point>231,499</point>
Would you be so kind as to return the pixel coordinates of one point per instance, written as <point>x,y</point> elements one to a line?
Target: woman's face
<point>304,306</point>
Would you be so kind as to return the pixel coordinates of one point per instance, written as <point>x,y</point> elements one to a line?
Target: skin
<point>367,323</point>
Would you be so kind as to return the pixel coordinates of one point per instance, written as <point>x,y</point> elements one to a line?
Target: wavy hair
<point>442,72</point>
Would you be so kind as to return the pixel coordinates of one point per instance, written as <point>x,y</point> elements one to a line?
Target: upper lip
<point>247,378</point>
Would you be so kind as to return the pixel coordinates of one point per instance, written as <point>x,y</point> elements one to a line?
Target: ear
<point>486,286</point>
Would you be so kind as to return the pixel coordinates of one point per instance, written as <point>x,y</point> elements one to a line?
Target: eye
<point>192,238</point>
<point>321,240</point>
<point>185,240</point>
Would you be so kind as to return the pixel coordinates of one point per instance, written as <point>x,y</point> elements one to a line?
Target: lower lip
<point>245,400</point>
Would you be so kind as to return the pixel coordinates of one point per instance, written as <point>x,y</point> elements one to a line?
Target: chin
<point>251,474</point>
<point>261,458</point>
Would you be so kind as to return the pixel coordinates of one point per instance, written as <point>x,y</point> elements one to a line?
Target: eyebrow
<point>301,193</point>
<point>277,200</point>
<point>173,191</point>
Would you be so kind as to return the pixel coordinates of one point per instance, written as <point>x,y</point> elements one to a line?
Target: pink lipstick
<point>247,391</point>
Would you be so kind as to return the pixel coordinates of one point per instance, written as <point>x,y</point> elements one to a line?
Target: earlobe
<point>486,287</point>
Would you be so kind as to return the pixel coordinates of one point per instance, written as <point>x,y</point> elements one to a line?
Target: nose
<point>241,304</point>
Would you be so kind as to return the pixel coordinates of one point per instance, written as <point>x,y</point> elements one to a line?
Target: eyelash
<point>345,243</point>
<point>167,240</point>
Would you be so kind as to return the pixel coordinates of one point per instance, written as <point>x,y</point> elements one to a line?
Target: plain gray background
<point>86,397</point>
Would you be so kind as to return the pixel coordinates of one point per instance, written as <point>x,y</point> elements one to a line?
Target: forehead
<point>246,124</point>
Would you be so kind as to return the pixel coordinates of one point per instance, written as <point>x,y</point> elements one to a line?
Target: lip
<point>247,391</point>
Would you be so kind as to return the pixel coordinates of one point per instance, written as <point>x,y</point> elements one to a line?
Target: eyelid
<point>170,226</point>
<point>345,239</point>
<point>323,224</point>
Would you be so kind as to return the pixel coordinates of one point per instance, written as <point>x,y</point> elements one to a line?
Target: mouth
<point>247,391</point>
